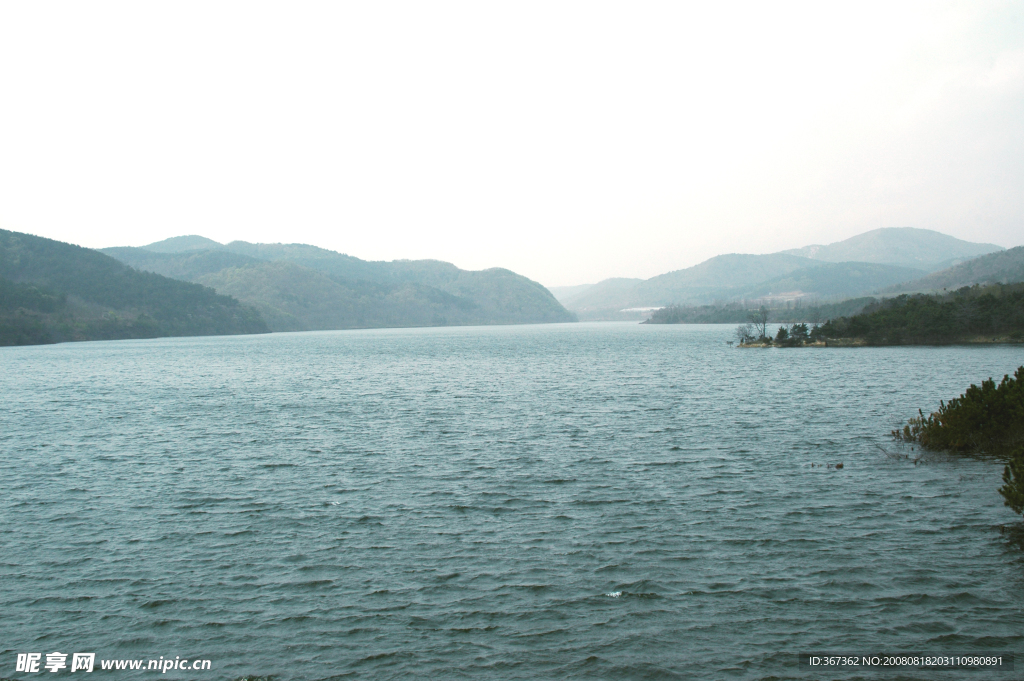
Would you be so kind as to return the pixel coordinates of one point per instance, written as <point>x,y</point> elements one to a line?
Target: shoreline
<point>862,342</point>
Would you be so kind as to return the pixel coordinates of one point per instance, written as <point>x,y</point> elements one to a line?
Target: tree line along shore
<point>970,315</point>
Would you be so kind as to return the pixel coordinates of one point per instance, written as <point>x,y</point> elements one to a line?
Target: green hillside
<point>300,287</point>
<point>719,278</point>
<point>835,280</point>
<point>975,314</point>
<point>185,265</point>
<point>52,291</point>
<point>295,298</point>
<point>1004,267</point>
<point>313,257</point>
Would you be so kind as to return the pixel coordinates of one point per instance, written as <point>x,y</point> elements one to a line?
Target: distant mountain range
<point>298,287</point>
<point>921,249</point>
<point>52,291</point>
<point>868,263</point>
<point>191,285</point>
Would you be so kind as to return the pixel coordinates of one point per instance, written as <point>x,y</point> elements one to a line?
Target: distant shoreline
<point>864,343</point>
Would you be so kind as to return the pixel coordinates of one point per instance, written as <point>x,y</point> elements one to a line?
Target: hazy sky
<point>569,142</point>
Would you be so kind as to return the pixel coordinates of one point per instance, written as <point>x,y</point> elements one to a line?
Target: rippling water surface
<point>585,501</point>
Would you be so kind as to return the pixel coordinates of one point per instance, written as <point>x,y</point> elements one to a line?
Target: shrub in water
<point>1013,476</point>
<point>989,419</point>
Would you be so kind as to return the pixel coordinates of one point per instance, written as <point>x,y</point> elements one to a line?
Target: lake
<point>530,502</point>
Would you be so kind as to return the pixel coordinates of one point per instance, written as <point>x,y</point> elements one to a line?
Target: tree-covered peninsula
<point>52,292</point>
<point>976,314</point>
<point>737,313</point>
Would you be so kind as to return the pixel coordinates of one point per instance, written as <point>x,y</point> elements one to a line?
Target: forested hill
<point>298,287</point>
<point>976,314</point>
<point>1003,267</point>
<point>52,291</point>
